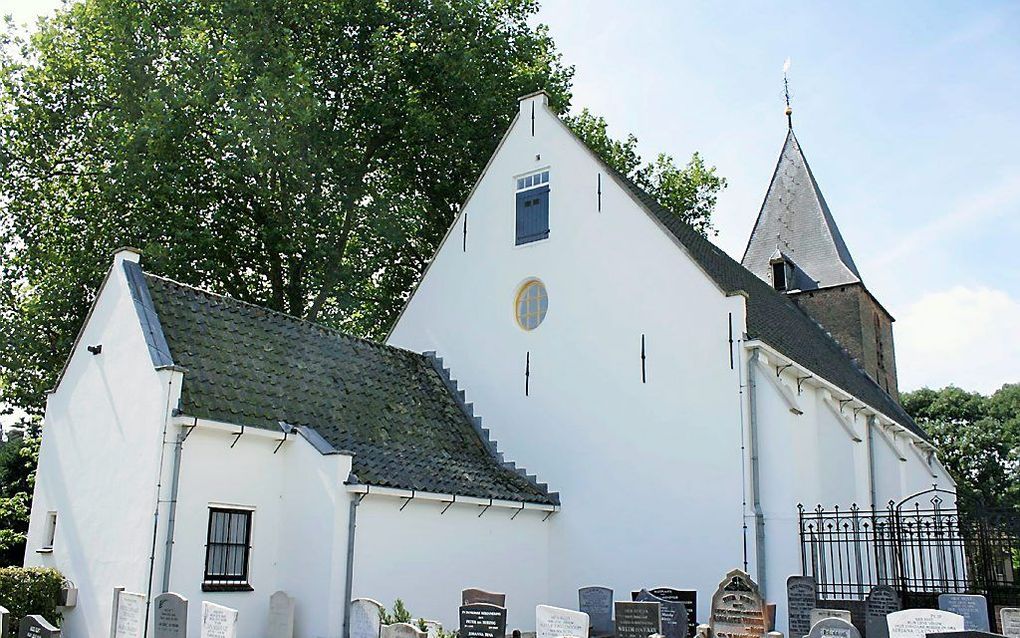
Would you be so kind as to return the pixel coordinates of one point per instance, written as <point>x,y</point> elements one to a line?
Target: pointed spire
<point>795,221</point>
<point>786,93</point>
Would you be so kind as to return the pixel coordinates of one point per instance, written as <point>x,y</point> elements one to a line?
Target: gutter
<point>759,514</point>
<point>363,489</point>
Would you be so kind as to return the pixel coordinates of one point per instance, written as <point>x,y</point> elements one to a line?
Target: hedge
<point>32,590</point>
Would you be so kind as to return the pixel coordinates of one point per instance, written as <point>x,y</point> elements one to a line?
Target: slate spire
<point>795,222</point>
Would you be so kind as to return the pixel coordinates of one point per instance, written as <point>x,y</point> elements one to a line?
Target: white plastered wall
<point>650,473</point>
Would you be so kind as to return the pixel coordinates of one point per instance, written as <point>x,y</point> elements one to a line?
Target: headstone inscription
<point>973,608</point>
<point>672,615</point>
<point>473,595</point>
<point>401,630</point>
<point>738,610</point>
<point>833,628</point>
<point>881,601</point>
<point>1009,621</point>
<point>966,633</point>
<point>801,598</point>
<point>364,622</point>
<point>689,597</point>
<point>636,619</point>
<point>36,627</point>
<point>597,602</point>
<point>482,620</point>
<point>918,623</point>
<point>130,621</point>
<point>170,616</point>
<point>821,614</point>
<point>218,621</point>
<point>281,616</point>
<point>5,622</point>
<point>554,622</point>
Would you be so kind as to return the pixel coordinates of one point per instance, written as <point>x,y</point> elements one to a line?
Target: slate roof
<point>795,220</point>
<point>404,422</point>
<point>775,319</point>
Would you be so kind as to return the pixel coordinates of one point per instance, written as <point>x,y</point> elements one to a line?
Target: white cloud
<point>961,336</point>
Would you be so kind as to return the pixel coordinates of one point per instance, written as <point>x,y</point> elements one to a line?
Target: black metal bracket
<point>449,505</point>
<point>801,380</point>
<point>485,509</point>
<point>857,411</point>
<point>779,369</point>
<point>842,403</point>
<point>519,510</point>
<point>407,500</point>
<point>282,441</point>
<point>190,429</point>
<point>237,437</point>
<point>550,513</point>
<point>362,496</point>
<point>599,191</point>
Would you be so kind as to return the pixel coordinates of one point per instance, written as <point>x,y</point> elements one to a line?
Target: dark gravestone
<point>833,628</point>
<point>471,596</point>
<point>482,620</point>
<point>689,597</point>
<point>973,608</point>
<point>170,616</point>
<point>37,627</point>
<point>597,602</point>
<point>882,601</point>
<point>801,598</point>
<point>738,610</point>
<point>636,620</point>
<point>672,614</point>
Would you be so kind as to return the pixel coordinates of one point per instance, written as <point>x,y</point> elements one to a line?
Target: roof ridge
<point>284,315</point>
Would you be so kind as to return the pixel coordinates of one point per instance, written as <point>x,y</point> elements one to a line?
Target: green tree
<point>305,156</point>
<point>18,458</point>
<point>978,439</point>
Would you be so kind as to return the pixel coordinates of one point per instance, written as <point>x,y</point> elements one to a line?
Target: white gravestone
<point>821,614</point>
<point>432,628</point>
<point>918,623</point>
<point>170,616</point>
<point>364,621</point>
<point>401,630</point>
<point>130,620</point>
<point>554,622</point>
<point>218,621</point>
<point>1009,618</point>
<point>281,616</point>
<point>5,622</point>
<point>833,627</point>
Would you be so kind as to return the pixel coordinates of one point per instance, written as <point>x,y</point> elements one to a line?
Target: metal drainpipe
<point>759,515</point>
<point>871,461</point>
<point>175,481</point>
<point>349,584</point>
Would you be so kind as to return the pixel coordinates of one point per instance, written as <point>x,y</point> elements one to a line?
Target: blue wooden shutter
<point>532,215</point>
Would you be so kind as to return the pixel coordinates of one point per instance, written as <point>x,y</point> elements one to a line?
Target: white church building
<point>675,405</point>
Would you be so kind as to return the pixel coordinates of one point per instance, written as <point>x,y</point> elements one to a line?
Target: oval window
<point>532,304</point>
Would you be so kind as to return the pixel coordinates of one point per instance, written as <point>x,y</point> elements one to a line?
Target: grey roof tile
<point>254,367</point>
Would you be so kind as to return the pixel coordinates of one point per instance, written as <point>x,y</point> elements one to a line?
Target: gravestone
<point>689,597</point>
<point>432,628</point>
<point>801,598</point>
<point>821,614</point>
<point>554,622</point>
<point>918,623</point>
<point>882,601</point>
<point>364,621</point>
<point>966,633</point>
<point>482,620</point>
<point>973,608</point>
<point>472,595</point>
<point>281,616</point>
<point>36,627</point>
<point>130,619</point>
<point>1009,621</point>
<point>218,621</point>
<point>738,610</point>
<point>672,615</point>
<point>637,619</point>
<point>5,622</point>
<point>833,628</point>
<point>401,630</point>
<point>597,602</point>
<point>170,616</point>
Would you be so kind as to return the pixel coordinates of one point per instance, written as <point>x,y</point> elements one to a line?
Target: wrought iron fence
<point>921,546</point>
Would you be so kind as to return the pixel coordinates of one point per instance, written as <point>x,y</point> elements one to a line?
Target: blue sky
<point>908,112</point>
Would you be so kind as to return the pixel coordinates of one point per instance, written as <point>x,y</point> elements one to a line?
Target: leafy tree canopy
<point>978,438</point>
<point>305,156</point>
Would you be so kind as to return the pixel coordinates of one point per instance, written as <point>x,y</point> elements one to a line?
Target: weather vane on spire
<point>786,92</point>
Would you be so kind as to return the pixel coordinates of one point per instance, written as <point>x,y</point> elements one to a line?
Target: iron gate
<point>922,546</point>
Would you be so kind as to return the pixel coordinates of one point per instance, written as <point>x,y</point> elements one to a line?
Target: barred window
<point>227,550</point>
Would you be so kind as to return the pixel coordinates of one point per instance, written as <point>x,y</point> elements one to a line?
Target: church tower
<point>797,248</point>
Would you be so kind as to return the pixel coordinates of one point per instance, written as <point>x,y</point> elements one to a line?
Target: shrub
<point>31,590</point>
